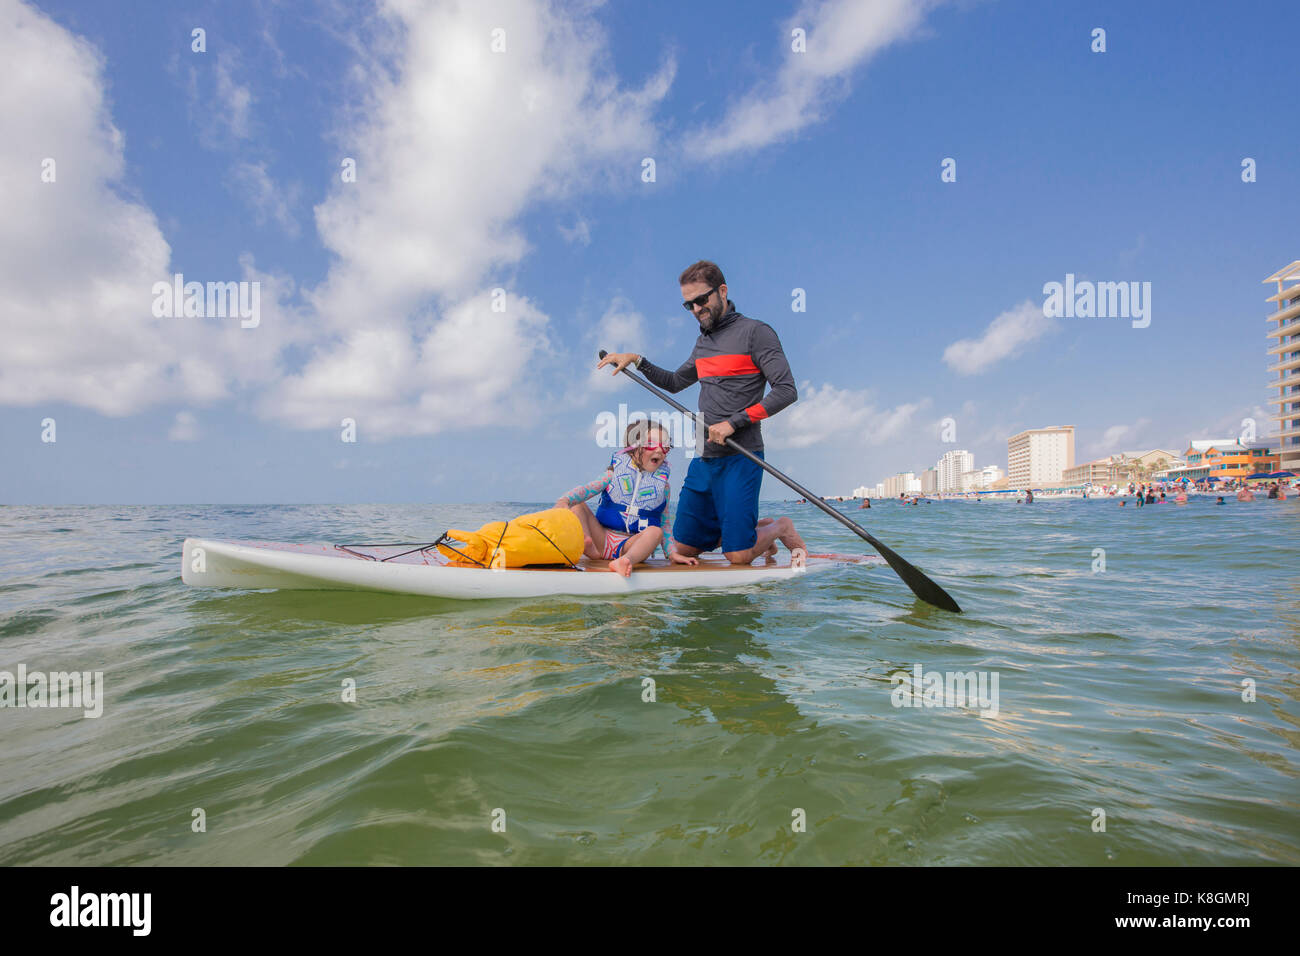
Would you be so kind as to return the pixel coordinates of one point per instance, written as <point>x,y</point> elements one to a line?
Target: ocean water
<point>510,732</point>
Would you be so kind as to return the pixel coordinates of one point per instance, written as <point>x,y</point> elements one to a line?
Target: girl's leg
<point>636,549</point>
<point>593,532</point>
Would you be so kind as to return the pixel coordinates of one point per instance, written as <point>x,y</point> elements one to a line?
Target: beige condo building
<point>1039,456</point>
<point>1284,348</point>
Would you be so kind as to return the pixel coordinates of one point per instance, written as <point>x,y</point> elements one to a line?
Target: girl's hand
<point>676,558</point>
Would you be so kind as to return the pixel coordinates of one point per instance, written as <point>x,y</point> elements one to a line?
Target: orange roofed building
<point>1230,459</point>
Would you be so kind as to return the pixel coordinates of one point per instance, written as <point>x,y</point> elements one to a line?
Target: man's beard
<point>709,317</point>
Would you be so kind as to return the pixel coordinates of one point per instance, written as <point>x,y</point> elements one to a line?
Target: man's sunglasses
<point>690,305</point>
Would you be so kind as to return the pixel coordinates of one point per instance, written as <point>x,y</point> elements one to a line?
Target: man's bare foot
<point>622,565</point>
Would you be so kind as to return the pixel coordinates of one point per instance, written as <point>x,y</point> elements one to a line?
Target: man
<point>734,357</point>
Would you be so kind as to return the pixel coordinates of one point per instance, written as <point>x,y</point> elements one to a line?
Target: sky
<point>445,209</point>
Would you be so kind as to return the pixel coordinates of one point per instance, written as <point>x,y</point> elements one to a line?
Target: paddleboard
<point>416,569</point>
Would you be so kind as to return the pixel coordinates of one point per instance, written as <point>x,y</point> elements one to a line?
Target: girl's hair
<point>639,431</point>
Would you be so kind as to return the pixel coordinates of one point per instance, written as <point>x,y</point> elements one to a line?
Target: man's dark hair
<point>702,271</point>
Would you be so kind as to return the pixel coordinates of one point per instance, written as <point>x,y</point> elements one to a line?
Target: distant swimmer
<point>1245,495</point>
<point>1220,501</point>
<point>866,503</point>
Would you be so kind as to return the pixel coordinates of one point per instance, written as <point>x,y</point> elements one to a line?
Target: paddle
<point>912,576</point>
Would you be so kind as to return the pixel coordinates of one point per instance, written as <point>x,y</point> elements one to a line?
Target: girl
<point>631,517</point>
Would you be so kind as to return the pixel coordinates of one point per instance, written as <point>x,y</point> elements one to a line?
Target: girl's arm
<point>583,492</point>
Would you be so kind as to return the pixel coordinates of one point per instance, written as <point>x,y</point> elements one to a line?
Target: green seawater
<point>1118,690</point>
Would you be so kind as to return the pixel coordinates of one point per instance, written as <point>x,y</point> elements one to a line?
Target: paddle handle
<point>921,585</point>
<point>804,492</point>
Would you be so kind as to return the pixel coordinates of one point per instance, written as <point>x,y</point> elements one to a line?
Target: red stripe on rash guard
<point>756,413</point>
<point>724,365</point>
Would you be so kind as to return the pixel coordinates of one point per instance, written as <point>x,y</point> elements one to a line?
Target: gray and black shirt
<point>732,362</point>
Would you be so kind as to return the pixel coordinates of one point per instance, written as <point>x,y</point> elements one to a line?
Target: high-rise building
<point>1286,351</point>
<point>1039,456</point>
<point>929,481</point>
<point>980,479</point>
<point>951,467</point>
<point>902,483</point>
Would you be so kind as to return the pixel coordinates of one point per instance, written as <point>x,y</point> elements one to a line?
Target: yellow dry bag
<point>553,536</point>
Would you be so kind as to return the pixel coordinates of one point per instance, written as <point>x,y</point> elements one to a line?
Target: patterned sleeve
<point>589,490</point>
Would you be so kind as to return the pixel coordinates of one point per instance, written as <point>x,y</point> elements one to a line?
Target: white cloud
<point>1117,438</point>
<point>234,98</point>
<point>1006,335</point>
<point>620,329</point>
<point>841,36</point>
<point>185,427</point>
<point>452,150</point>
<point>453,143</point>
<point>828,412</point>
<point>80,260</point>
<point>269,201</point>
<point>1231,424</point>
<point>579,232</point>
<point>469,368</point>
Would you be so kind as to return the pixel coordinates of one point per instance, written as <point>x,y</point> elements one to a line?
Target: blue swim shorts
<point>718,507</point>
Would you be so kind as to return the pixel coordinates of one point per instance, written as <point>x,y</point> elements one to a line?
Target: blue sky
<point>522,170</point>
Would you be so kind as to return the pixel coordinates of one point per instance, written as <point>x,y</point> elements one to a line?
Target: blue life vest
<point>634,499</point>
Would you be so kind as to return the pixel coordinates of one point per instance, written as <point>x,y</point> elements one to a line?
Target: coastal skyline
<point>440,271</point>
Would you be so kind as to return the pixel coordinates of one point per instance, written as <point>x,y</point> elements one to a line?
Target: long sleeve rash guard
<point>733,362</point>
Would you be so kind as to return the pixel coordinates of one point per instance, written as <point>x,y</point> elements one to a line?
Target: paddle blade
<point>922,586</point>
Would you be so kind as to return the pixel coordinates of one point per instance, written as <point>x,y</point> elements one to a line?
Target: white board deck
<point>265,564</point>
